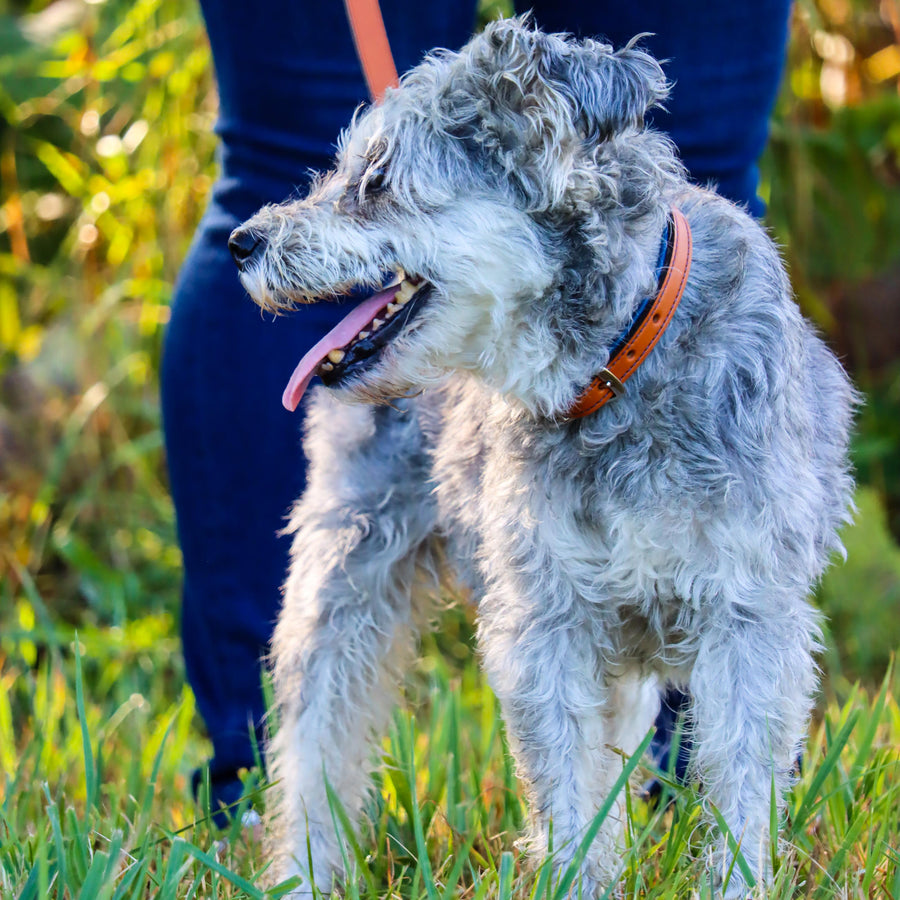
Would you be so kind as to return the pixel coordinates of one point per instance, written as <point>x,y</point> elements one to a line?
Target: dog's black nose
<point>244,246</point>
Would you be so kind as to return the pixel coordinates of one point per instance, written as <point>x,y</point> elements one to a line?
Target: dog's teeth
<point>405,293</point>
<point>363,335</point>
<point>392,308</point>
<point>336,355</point>
<point>401,275</point>
<point>377,323</point>
<point>327,367</point>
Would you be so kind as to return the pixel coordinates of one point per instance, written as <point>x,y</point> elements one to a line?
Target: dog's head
<point>476,206</point>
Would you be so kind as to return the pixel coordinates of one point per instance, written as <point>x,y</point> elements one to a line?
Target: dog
<point>506,208</point>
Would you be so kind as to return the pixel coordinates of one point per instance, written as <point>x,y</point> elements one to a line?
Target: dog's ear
<point>607,90</point>
<point>543,99</point>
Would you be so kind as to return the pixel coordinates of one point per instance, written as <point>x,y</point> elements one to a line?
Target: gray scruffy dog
<point>673,535</point>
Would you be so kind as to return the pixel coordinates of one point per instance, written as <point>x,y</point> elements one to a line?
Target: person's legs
<point>235,466</point>
<point>289,80</point>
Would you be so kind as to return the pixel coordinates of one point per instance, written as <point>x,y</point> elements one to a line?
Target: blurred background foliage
<point>106,159</point>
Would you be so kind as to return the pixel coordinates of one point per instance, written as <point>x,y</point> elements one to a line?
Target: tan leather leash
<point>646,332</point>
<point>372,46</point>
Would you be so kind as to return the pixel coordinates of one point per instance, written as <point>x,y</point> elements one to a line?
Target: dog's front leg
<point>752,685</point>
<point>346,631</point>
<point>565,725</point>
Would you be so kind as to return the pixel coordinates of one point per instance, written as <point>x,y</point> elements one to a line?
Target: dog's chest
<point>512,501</point>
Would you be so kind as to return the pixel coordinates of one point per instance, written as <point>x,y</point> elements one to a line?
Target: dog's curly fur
<point>672,536</point>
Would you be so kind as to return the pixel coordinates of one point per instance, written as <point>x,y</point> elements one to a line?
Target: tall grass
<point>96,801</point>
<point>106,159</point>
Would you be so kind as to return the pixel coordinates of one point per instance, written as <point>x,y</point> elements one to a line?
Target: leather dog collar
<point>650,322</point>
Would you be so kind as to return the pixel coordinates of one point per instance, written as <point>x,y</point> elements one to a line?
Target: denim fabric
<point>289,81</point>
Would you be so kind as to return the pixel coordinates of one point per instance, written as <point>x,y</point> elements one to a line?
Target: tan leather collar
<point>647,330</point>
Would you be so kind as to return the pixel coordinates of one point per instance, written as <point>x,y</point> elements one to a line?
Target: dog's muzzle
<point>245,246</point>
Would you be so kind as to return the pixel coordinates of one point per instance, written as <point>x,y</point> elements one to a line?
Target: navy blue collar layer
<point>650,320</point>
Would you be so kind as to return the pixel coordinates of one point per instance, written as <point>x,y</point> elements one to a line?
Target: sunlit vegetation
<point>106,160</point>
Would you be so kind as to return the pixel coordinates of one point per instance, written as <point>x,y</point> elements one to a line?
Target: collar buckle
<point>604,376</point>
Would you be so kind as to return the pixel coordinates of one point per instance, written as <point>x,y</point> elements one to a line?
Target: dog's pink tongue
<point>341,334</point>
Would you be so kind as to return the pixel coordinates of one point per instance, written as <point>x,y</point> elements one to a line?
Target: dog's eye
<point>375,182</point>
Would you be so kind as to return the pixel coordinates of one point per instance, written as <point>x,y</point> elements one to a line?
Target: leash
<point>651,321</point>
<point>372,46</point>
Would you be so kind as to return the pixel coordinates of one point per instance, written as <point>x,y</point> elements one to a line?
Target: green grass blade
<point>343,825</point>
<point>30,888</point>
<point>90,773</point>
<point>864,744</point>
<point>734,845</point>
<point>58,844</point>
<point>90,889</point>
<point>542,884</point>
<point>504,890</point>
<point>459,863</point>
<point>407,732</point>
<point>773,824</point>
<point>565,883</point>
<point>825,768</point>
<point>215,866</point>
<point>826,890</point>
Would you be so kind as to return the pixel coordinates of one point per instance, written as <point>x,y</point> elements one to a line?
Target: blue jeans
<point>289,80</point>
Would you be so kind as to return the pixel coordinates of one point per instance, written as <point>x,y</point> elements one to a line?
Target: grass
<point>98,733</point>
<point>96,800</point>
